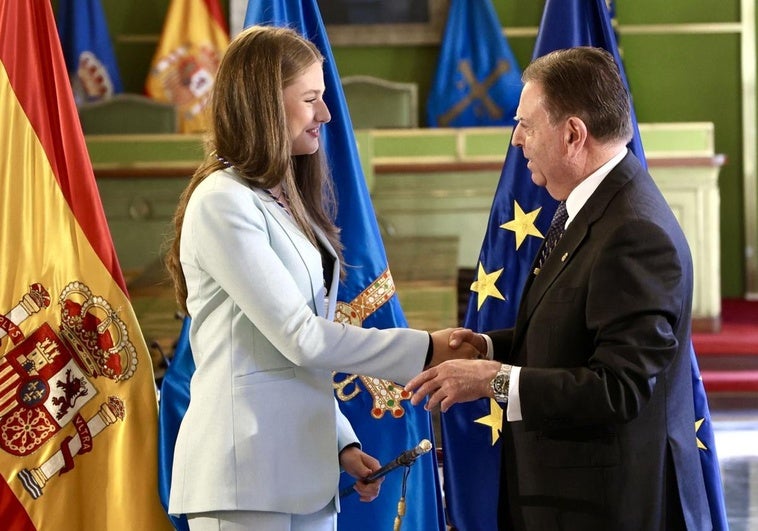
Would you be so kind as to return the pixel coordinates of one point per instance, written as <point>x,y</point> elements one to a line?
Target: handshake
<point>457,343</point>
<point>458,372</point>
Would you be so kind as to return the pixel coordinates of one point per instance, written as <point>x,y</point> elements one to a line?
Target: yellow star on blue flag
<point>522,224</point>
<point>494,420</point>
<point>484,285</point>
<point>700,444</point>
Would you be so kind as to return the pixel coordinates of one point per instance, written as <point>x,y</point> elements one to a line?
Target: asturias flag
<point>87,47</point>
<point>478,81</point>
<point>175,396</point>
<point>194,38</point>
<point>383,417</point>
<point>78,411</point>
<point>380,412</point>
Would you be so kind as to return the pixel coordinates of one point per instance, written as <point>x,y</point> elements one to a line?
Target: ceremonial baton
<point>404,459</point>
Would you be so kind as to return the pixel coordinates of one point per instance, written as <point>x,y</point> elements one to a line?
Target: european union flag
<point>87,48</point>
<point>519,218</point>
<point>478,80</point>
<point>706,442</point>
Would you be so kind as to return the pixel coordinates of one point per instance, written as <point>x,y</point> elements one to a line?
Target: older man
<point>596,372</point>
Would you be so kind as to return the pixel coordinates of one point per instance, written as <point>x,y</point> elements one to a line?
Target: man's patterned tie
<point>554,233</point>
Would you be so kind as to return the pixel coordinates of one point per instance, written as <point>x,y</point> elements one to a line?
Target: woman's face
<point>305,109</point>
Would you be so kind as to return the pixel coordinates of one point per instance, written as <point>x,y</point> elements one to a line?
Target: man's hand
<point>456,343</point>
<point>360,465</point>
<point>452,382</point>
<point>459,336</point>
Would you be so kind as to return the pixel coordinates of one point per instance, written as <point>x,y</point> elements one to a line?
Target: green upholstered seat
<point>127,114</point>
<point>378,103</point>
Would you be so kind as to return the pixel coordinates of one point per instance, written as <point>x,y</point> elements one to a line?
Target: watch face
<point>499,383</point>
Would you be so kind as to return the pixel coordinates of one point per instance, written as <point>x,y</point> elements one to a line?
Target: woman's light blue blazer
<point>263,430</point>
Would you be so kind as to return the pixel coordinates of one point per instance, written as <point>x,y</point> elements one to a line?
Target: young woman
<point>256,262</point>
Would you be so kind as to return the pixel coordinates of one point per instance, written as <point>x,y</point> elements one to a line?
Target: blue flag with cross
<point>478,80</point>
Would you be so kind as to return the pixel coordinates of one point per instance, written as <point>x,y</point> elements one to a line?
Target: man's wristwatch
<point>501,383</point>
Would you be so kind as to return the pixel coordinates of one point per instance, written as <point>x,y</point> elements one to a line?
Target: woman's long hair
<point>249,131</point>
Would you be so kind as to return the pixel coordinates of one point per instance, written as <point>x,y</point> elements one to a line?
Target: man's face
<point>541,142</point>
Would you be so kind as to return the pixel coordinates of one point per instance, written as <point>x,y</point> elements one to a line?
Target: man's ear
<point>575,134</point>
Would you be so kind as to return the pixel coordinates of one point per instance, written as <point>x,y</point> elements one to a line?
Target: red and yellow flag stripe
<point>79,418</point>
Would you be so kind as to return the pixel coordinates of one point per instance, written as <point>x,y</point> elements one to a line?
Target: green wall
<point>686,77</point>
<point>673,77</point>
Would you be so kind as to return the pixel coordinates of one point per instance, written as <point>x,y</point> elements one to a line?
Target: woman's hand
<point>360,465</point>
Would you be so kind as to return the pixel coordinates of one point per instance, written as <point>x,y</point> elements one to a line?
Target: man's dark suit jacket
<point>607,440</point>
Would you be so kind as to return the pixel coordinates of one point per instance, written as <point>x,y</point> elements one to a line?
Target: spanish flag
<point>78,408</point>
<point>184,66</point>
